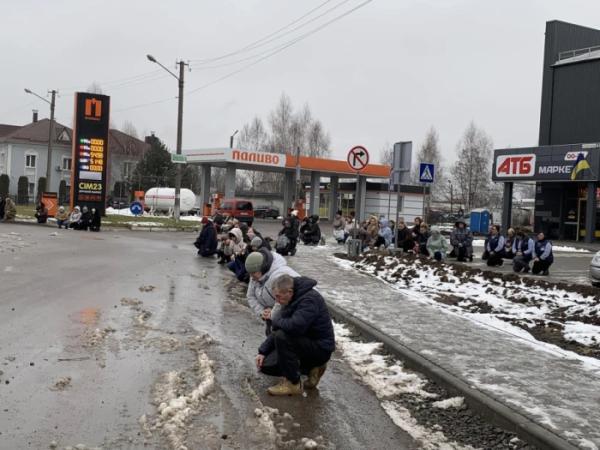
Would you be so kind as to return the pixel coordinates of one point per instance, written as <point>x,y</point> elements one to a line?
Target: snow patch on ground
<point>454,402</point>
<point>119,212</point>
<point>175,407</point>
<point>388,379</point>
<point>583,333</point>
<point>512,306</point>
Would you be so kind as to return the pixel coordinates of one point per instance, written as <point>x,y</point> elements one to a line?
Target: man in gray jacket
<point>264,267</point>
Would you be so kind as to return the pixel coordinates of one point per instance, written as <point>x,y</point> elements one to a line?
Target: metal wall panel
<point>560,37</point>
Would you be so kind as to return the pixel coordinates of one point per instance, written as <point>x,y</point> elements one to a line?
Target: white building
<point>24,152</point>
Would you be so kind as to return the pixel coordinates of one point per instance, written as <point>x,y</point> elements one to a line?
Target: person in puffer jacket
<point>302,340</point>
<point>461,240</point>
<point>238,255</point>
<point>264,267</point>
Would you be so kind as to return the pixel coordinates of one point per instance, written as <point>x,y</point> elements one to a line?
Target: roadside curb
<point>488,407</point>
<point>107,227</point>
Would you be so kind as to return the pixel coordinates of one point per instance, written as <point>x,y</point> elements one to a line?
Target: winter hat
<point>244,227</point>
<point>254,262</point>
<point>204,220</point>
<point>256,242</point>
<point>61,208</point>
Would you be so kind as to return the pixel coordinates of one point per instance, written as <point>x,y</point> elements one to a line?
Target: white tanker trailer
<point>163,199</point>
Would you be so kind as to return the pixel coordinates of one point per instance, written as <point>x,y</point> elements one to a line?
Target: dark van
<point>241,210</point>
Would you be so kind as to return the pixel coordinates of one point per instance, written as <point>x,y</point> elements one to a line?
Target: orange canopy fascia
<point>336,167</point>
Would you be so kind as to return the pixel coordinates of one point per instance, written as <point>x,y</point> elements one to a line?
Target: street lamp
<point>231,138</point>
<point>179,129</point>
<point>52,103</point>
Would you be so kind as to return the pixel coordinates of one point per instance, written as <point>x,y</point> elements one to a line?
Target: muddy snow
<point>435,420</point>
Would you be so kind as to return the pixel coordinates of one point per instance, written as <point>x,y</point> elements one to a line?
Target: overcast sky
<point>386,72</point>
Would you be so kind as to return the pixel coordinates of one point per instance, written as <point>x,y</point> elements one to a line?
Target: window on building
<point>66,163</point>
<point>30,161</point>
<point>127,169</point>
<point>2,162</point>
<point>31,189</point>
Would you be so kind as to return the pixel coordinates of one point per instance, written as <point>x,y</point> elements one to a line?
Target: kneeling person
<point>302,340</point>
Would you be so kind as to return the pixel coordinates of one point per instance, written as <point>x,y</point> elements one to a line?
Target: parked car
<point>241,210</point>
<point>266,212</point>
<point>595,270</point>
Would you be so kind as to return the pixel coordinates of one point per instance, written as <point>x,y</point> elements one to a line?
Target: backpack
<point>282,242</point>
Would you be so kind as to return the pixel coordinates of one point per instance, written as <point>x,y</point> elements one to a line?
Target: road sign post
<point>426,176</point>
<point>358,159</point>
<point>136,208</point>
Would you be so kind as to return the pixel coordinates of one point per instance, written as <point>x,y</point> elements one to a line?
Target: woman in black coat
<point>207,240</point>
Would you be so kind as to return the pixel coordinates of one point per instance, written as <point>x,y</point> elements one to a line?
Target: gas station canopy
<point>279,162</point>
<point>236,159</point>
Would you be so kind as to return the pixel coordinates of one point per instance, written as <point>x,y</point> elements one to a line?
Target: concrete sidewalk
<point>552,387</point>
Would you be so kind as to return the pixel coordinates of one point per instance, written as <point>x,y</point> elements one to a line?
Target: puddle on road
<point>88,316</point>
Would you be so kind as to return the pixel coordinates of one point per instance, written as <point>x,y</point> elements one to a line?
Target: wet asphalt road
<point>114,312</point>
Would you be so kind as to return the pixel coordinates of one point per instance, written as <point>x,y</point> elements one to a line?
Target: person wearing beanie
<point>263,267</point>
<point>287,238</point>
<point>207,240</point>
<point>257,243</point>
<point>245,228</point>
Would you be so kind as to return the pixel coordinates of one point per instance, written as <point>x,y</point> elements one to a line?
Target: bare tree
<point>318,141</point>
<point>471,173</point>
<point>94,88</point>
<point>253,137</point>
<point>289,131</point>
<point>386,154</point>
<point>129,129</point>
<point>281,119</point>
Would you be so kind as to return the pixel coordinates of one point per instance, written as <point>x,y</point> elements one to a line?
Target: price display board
<point>90,151</point>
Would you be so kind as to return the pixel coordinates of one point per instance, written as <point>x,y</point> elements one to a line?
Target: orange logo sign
<point>93,109</point>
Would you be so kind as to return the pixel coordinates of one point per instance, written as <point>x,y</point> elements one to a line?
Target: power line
<point>269,54</point>
<point>120,81</point>
<point>282,47</point>
<point>253,44</point>
<point>145,104</point>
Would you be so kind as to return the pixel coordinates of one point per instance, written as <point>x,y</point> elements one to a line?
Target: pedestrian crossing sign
<point>426,172</point>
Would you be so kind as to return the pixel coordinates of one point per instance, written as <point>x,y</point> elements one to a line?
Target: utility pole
<point>180,80</point>
<point>50,139</point>
<point>451,197</point>
<point>52,104</point>
<point>177,210</point>
<point>297,175</point>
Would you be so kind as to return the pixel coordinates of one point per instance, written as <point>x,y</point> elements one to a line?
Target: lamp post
<point>180,80</point>
<point>52,104</point>
<point>231,138</point>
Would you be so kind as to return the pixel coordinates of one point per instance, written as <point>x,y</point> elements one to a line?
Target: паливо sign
<point>90,151</point>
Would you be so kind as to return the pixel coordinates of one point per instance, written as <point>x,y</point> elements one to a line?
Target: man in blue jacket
<point>542,255</point>
<point>522,248</point>
<point>302,340</point>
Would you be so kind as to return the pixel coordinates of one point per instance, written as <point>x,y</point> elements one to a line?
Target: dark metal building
<point>566,196</point>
